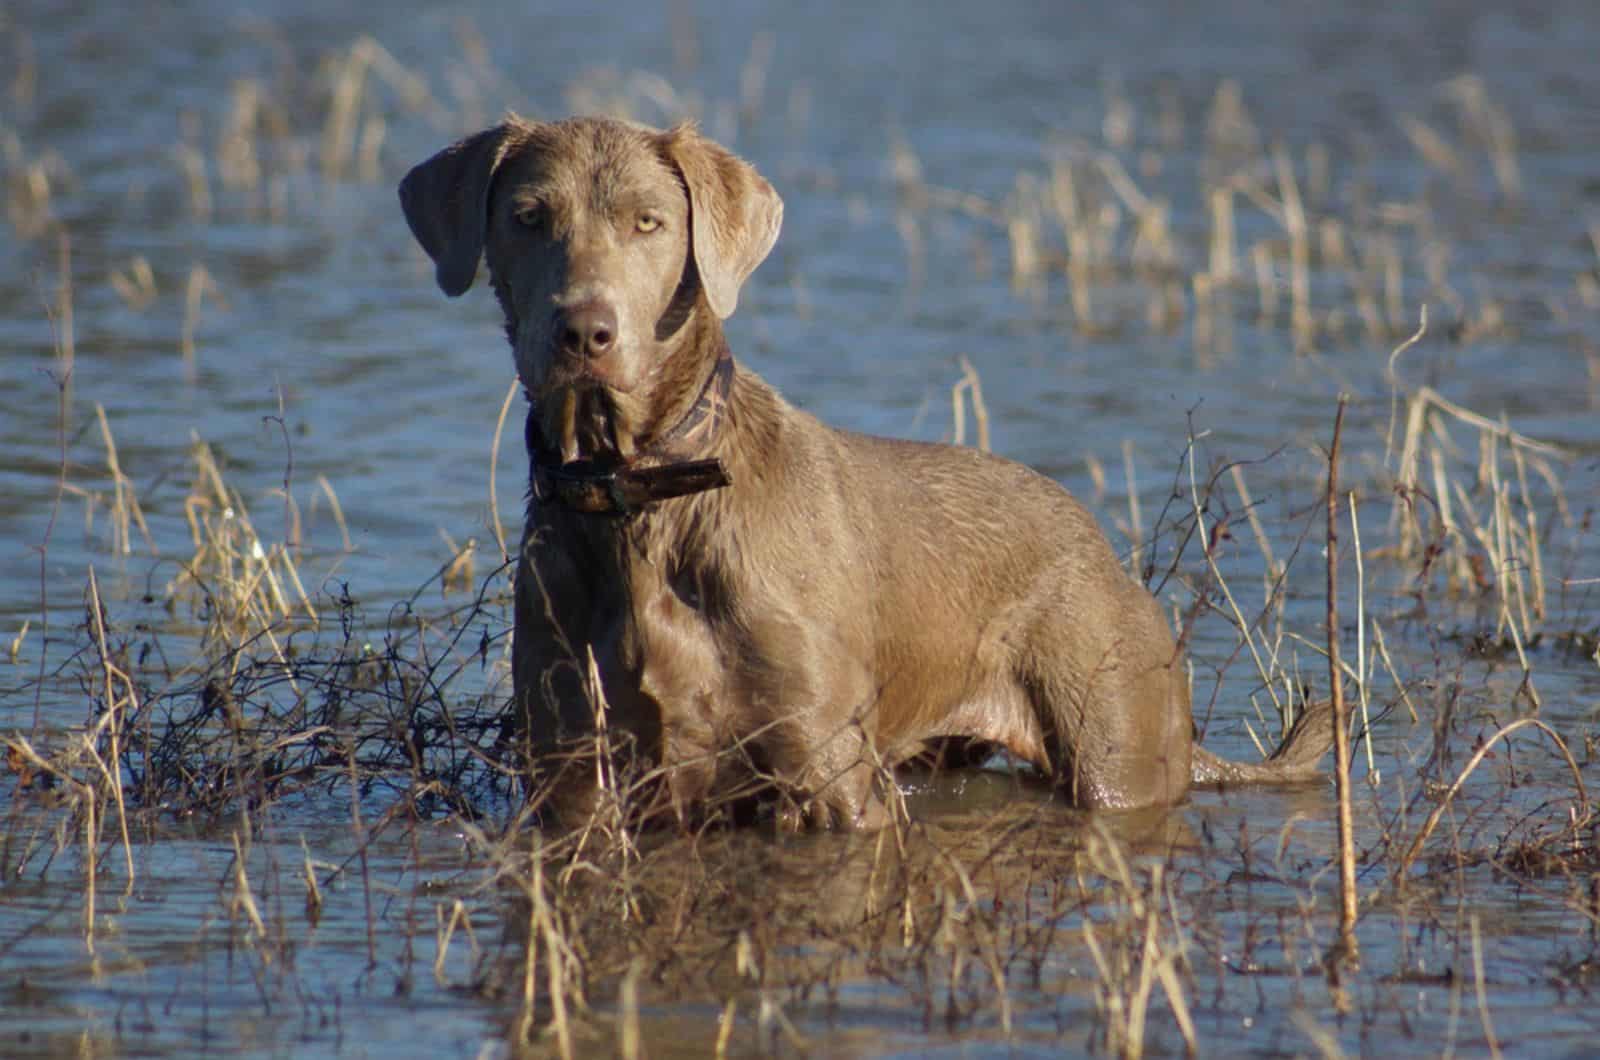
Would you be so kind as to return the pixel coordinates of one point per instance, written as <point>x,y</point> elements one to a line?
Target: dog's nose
<point>588,329</point>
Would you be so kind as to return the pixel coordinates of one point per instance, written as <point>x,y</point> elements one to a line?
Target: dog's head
<point>605,242</point>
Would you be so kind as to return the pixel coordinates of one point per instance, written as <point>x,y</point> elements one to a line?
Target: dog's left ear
<point>446,202</point>
<point>734,214</point>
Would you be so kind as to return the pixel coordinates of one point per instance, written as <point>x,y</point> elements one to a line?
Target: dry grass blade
<point>494,464</point>
<point>1478,756</point>
<point>200,286</point>
<point>1128,952</point>
<point>125,510</point>
<point>970,386</point>
<point>1481,991</point>
<point>115,706</point>
<point>339,133</point>
<point>1245,628</point>
<point>1347,953</point>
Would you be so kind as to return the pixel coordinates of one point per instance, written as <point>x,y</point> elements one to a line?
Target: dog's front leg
<point>824,759</point>
<point>550,727</point>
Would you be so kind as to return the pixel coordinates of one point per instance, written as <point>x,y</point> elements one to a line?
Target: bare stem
<point>1347,949</point>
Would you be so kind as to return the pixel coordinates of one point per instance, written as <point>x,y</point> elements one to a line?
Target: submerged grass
<point>232,697</point>
<point>979,923</point>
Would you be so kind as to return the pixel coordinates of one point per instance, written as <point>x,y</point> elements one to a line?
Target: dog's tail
<point>1297,759</point>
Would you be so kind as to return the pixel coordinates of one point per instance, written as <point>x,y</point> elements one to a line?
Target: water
<point>903,138</point>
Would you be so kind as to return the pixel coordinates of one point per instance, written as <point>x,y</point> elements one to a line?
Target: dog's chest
<point>666,647</point>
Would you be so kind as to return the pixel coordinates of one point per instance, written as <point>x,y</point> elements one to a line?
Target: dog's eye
<point>530,215</point>
<point>648,222</point>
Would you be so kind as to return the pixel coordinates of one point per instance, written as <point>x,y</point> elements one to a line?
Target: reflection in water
<point>1165,221</point>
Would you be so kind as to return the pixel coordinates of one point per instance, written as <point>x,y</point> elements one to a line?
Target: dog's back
<point>764,598</point>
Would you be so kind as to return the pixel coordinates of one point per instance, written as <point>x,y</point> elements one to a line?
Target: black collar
<point>622,489</point>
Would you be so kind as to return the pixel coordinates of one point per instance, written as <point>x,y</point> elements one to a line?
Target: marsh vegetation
<point>256,602</point>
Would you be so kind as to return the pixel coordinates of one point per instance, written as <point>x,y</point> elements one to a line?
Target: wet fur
<point>848,599</point>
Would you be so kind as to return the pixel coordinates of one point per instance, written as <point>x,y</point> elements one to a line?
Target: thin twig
<point>1348,952</point>
<point>1488,745</point>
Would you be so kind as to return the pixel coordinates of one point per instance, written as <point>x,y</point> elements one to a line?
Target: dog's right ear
<point>446,202</point>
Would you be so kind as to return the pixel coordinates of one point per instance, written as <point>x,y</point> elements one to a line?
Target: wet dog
<point>765,598</point>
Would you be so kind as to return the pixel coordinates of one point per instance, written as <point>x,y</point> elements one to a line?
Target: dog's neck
<point>672,463</point>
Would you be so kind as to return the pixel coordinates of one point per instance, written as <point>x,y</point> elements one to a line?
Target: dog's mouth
<point>582,420</point>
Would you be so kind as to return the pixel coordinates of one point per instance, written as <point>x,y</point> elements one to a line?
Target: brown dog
<point>765,597</point>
